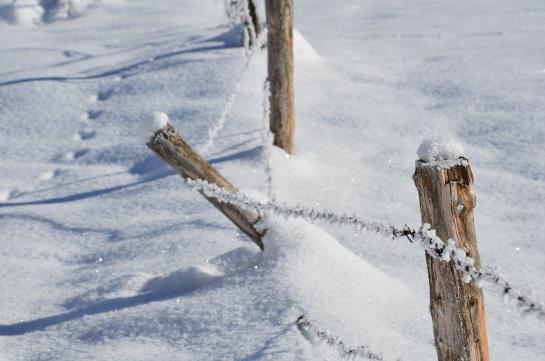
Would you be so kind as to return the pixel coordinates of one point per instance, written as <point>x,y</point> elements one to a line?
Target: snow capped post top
<point>435,149</point>
<point>155,123</point>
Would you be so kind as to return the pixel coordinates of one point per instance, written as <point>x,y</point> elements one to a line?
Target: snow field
<point>107,259</point>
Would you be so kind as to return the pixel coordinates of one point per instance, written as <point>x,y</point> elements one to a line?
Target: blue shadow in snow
<point>88,194</point>
<point>100,307</point>
<point>161,288</point>
<point>116,71</point>
<point>248,154</point>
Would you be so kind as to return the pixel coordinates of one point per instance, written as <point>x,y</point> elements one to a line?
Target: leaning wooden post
<point>171,148</point>
<point>447,200</point>
<point>280,59</point>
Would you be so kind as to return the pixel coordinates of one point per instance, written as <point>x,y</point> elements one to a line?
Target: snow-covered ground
<point>107,255</point>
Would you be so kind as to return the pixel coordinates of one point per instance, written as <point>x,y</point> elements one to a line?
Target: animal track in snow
<point>93,114</point>
<point>75,154</point>
<point>49,174</point>
<point>105,94</point>
<point>86,134</point>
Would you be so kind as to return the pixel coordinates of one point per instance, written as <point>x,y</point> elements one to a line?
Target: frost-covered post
<point>163,139</point>
<point>280,59</point>
<point>444,181</point>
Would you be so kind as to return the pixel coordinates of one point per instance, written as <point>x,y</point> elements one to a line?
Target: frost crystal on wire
<point>425,237</point>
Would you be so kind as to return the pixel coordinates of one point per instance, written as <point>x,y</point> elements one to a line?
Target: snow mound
<point>328,282</point>
<point>436,148</point>
<point>24,13</point>
<point>302,49</point>
<point>148,128</point>
<point>191,278</point>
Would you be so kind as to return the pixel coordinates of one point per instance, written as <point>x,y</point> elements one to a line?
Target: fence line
<point>234,10</point>
<point>266,137</point>
<point>424,237</point>
<point>310,330</point>
<point>250,30</point>
<point>213,132</point>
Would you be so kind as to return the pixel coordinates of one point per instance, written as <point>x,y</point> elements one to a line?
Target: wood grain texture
<point>447,201</point>
<point>172,149</point>
<point>280,71</point>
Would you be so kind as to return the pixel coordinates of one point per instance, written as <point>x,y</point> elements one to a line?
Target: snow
<point>106,254</point>
<point>436,149</point>
<point>23,13</point>
<point>155,123</point>
<point>303,51</point>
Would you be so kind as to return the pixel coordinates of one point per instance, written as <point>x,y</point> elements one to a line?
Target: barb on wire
<point>424,237</point>
<point>311,331</point>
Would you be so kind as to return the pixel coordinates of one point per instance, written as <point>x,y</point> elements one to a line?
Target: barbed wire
<point>311,331</point>
<point>425,237</point>
<point>266,137</point>
<point>214,131</point>
<point>250,31</point>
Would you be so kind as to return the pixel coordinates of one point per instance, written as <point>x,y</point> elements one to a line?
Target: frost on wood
<point>172,149</point>
<point>447,201</point>
<point>155,123</point>
<point>436,149</point>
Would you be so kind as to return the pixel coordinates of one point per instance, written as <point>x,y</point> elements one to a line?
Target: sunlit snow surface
<point>107,255</point>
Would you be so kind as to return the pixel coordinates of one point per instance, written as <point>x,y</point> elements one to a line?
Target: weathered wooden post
<point>280,59</point>
<point>172,149</point>
<point>447,200</point>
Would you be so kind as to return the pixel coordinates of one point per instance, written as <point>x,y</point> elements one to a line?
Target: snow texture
<point>152,125</point>
<point>437,148</point>
<point>426,237</point>
<point>23,13</point>
<point>114,258</point>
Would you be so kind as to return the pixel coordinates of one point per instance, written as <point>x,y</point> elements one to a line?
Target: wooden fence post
<point>445,189</point>
<point>172,149</point>
<point>280,71</point>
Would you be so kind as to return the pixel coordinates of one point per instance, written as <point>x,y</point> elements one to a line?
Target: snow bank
<point>155,123</point>
<point>435,148</point>
<point>327,282</point>
<point>191,278</point>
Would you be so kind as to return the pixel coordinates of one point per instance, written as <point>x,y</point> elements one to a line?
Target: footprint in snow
<point>75,154</point>
<point>105,94</point>
<point>93,114</point>
<point>86,134</point>
<point>49,174</point>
